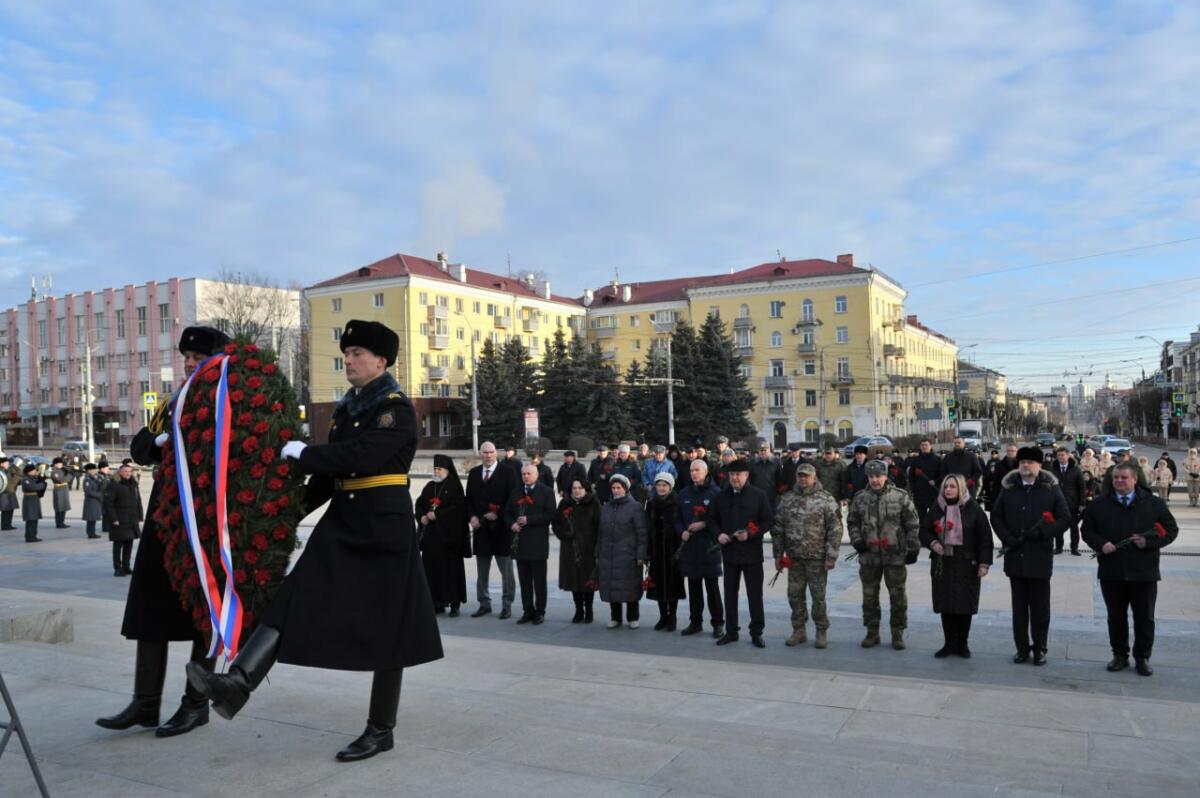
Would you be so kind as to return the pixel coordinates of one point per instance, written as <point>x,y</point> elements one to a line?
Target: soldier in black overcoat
<point>33,488</point>
<point>357,598</point>
<point>154,615</point>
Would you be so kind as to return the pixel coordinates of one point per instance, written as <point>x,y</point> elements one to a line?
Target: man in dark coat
<point>991,483</point>
<point>154,615</point>
<point>856,474</point>
<point>357,598</point>
<point>1127,528</point>
<point>699,554</point>
<point>764,473</point>
<point>743,517</point>
<point>1006,464</point>
<point>787,470</point>
<point>93,498</point>
<point>123,510</point>
<point>8,493</point>
<point>33,488</point>
<point>528,513</point>
<point>1070,481</point>
<point>961,461</point>
<point>599,473</point>
<point>489,485</point>
<point>1028,516</point>
<point>1171,465</point>
<point>511,460</point>
<point>925,472</point>
<point>545,475</point>
<point>60,479</point>
<point>568,472</point>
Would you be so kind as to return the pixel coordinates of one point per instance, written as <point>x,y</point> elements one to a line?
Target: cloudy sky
<point>940,142</point>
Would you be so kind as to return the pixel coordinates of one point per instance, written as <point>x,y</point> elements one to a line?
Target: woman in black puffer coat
<point>666,583</point>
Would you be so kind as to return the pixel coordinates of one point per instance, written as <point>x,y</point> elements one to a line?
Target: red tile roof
<point>400,265</point>
<point>676,289</point>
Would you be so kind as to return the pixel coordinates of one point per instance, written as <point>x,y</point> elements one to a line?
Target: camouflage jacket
<point>887,522</point>
<point>808,525</point>
<point>832,477</point>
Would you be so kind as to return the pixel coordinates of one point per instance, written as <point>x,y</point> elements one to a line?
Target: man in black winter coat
<point>743,517</point>
<point>856,473</point>
<point>1028,516</point>
<point>960,461</point>
<point>1127,528</point>
<point>1070,481</point>
<point>568,472</point>
<point>489,485</point>
<point>764,473</point>
<point>925,472</point>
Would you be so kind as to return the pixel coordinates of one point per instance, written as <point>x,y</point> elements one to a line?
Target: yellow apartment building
<point>826,346</point>
<point>440,311</point>
<point>982,384</point>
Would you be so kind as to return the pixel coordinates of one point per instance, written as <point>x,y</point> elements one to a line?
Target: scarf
<point>952,524</point>
<point>360,400</point>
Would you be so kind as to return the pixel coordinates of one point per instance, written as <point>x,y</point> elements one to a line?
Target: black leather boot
<point>578,616</point>
<point>193,709</point>
<point>229,692</point>
<point>149,671</point>
<point>377,738</point>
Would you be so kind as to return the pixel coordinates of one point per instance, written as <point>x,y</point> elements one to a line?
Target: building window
<point>337,364</point>
<point>843,396</point>
<point>839,304</point>
<point>810,398</point>
<point>742,337</point>
<point>62,330</point>
<point>102,390</point>
<point>120,324</point>
<point>164,317</point>
<point>491,309</point>
<point>460,334</point>
<point>62,394</point>
<point>337,333</point>
<point>776,368</point>
<point>424,328</point>
<point>99,324</point>
<point>810,368</point>
<point>777,399</point>
<point>425,362</point>
<point>460,362</point>
<point>777,309</point>
<point>806,310</point>
<point>335,305</point>
<point>62,367</point>
<point>122,390</point>
<point>338,393</point>
<point>141,321</point>
<point>810,432</point>
<point>443,301</point>
<point>475,307</point>
<point>80,329</point>
<point>714,311</point>
<point>807,338</point>
<point>423,298</point>
<point>843,367</point>
<point>845,431</point>
<point>143,358</point>
<point>743,311</point>
<point>843,335</point>
<point>776,339</point>
<point>635,321</point>
<point>145,387</point>
<point>168,388</point>
<point>637,343</point>
<point>746,370</point>
<point>377,300</point>
<point>100,359</point>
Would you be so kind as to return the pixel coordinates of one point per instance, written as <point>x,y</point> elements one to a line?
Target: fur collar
<point>1044,480</point>
<point>360,400</point>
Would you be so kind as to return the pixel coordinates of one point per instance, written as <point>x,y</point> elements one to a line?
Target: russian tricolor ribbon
<point>224,610</point>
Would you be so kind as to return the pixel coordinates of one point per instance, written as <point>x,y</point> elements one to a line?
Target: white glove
<point>292,449</point>
<point>161,440</point>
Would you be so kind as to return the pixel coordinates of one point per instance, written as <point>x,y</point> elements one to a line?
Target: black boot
<point>672,607</point>
<point>948,635</point>
<point>229,692</point>
<point>193,709</point>
<point>578,616</point>
<point>149,671</point>
<point>964,632</point>
<point>385,698</point>
<point>588,597</point>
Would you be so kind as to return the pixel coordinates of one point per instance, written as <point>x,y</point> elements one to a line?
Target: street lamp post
<point>37,389</point>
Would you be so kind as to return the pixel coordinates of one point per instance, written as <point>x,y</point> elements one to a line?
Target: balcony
<point>438,372</point>
<point>743,323</point>
<point>503,322</point>
<point>744,352</point>
<point>604,332</point>
<point>779,411</point>
<point>608,354</point>
<point>664,327</point>
<point>439,341</point>
<point>842,379</point>
<point>806,348</point>
<point>439,312</point>
<point>896,407</point>
<point>891,350</point>
<point>782,381</point>
<point>531,325</point>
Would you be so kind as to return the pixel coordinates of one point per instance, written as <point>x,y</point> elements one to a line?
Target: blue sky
<point>935,141</point>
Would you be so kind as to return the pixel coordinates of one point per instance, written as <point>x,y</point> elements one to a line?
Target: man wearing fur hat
<point>856,474</point>
<point>1028,516</point>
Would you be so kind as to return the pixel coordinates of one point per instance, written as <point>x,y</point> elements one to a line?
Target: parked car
<point>80,449</point>
<point>1045,440</point>
<point>876,444</point>
<point>1114,445</point>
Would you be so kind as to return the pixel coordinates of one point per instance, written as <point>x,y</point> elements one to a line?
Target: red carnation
<point>1048,517</point>
<point>283,501</point>
<point>197,457</point>
<point>232,379</point>
<point>202,414</point>
<point>258,400</point>
<point>244,419</point>
<point>285,434</point>
<point>253,364</point>
<point>783,488</point>
<point>203,481</point>
<point>250,348</point>
<point>495,508</point>
<point>1160,530</point>
<point>261,428</point>
<point>279,532</point>
<point>566,511</point>
<point>647,583</point>
<point>235,518</point>
<point>698,510</point>
<point>268,456</point>
<point>275,408</point>
<point>212,394</point>
<point>230,348</point>
<point>850,485</point>
<point>785,562</point>
<point>236,396</point>
<point>209,435</point>
<point>211,374</point>
<point>918,471</point>
<point>239,577</point>
<point>260,542</point>
<point>250,445</point>
<point>185,420</point>
<point>752,528</point>
<point>970,483</point>
<point>262,576</point>
<point>206,532</point>
<point>270,509</point>
<point>250,556</point>
<point>937,526</point>
<point>245,496</point>
<point>270,368</point>
<point>193,436</point>
<point>283,469</point>
<point>275,484</point>
<point>253,382</point>
<point>949,525</point>
<point>234,465</point>
<point>258,470</point>
<point>233,359</point>
<point>210,511</point>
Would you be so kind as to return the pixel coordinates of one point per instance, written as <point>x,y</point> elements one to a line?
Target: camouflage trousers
<point>894,576</point>
<point>810,575</point>
<point>1193,488</point>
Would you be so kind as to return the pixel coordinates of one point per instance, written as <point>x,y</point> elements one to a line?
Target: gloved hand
<point>161,439</point>
<point>911,557</point>
<point>292,449</point>
<point>860,546</point>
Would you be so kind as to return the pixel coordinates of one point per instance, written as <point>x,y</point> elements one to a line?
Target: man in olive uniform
<point>883,526</point>
<point>808,528</point>
<point>831,472</point>
<point>8,496</point>
<point>33,487</point>
<point>154,616</point>
<point>357,598</point>
<point>60,479</point>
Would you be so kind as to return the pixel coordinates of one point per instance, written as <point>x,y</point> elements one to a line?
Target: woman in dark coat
<point>621,550</point>
<point>666,583</point>
<point>123,508</point>
<point>576,524</point>
<point>442,515</point>
<point>957,531</point>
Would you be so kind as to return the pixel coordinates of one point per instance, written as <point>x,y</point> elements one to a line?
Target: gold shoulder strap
<point>158,422</point>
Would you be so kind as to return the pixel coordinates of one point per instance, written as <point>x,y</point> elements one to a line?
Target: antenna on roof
<point>779,255</point>
<point>508,260</point>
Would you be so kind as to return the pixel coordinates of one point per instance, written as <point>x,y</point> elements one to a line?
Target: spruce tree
<point>497,397</point>
<point>555,400</point>
<point>604,417</point>
<point>726,393</point>
<point>522,374</point>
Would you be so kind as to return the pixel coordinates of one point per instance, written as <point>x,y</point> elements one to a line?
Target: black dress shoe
<point>1076,552</point>
<point>662,624</point>
<point>1117,663</point>
<point>757,641</point>
<point>1039,658</point>
<point>963,651</point>
<point>140,712</point>
<point>482,611</point>
<point>453,611</point>
<point>539,619</point>
<point>943,652</point>
<point>375,740</point>
<point>719,631</point>
<point>691,629</point>
<point>505,614</point>
<point>727,639</point>
<point>526,617</point>
<point>1021,657</point>
<point>1142,666</point>
<point>128,571</point>
<point>93,537</point>
<point>190,715</point>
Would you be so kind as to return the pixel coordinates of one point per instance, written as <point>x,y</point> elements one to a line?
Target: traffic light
<point>951,409</point>
<point>1178,411</point>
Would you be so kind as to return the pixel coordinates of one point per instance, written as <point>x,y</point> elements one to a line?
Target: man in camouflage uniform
<point>808,528</point>
<point>882,522</point>
<point>8,496</point>
<point>831,471</point>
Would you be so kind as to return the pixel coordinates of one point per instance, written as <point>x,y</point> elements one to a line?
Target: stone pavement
<point>577,710</point>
